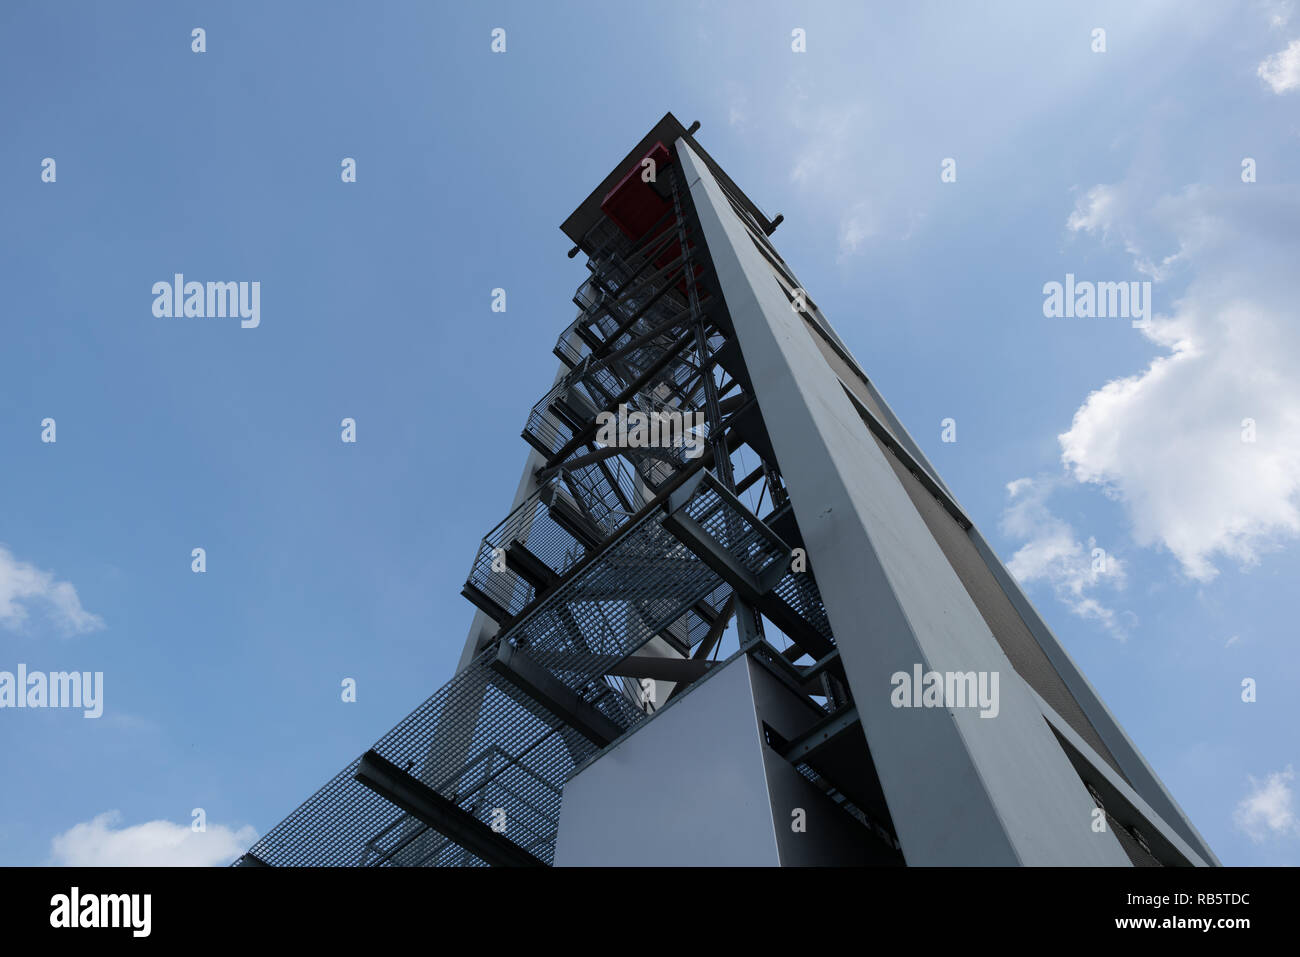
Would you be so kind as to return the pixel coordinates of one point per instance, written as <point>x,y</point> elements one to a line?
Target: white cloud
<point>737,105</point>
<point>1281,71</point>
<point>832,164</point>
<point>100,843</point>
<point>1053,554</point>
<point>1278,13</point>
<point>1095,211</point>
<point>22,583</point>
<point>1268,811</point>
<point>857,226</point>
<point>1101,212</point>
<point>826,143</point>
<point>1168,441</point>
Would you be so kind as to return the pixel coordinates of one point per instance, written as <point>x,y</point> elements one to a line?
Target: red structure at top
<point>633,205</point>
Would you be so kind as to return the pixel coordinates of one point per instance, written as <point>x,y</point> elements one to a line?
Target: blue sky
<point>327,560</point>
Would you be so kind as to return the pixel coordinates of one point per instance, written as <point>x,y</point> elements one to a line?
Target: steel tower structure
<point>590,722</point>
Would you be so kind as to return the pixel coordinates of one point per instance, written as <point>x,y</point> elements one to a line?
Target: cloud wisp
<point>1268,811</point>
<point>1053,554</point>
<point>24,587</point>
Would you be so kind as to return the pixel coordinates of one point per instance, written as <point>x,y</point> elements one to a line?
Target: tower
<point>713,469</point>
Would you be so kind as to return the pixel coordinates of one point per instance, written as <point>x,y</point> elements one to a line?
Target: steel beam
<point>537,683</point>
<point>676,670</point>
<point>806,746</point>
<point>424,803</point>
<point>961,789</point>
<point>749,589</point>
<point>1121,801</point>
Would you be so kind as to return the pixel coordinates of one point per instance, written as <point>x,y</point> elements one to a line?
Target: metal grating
<point>799,591</point>
<point>484,744</point>
<point>532,526</point>
<point>640,587</point>
<point>478,742</point>
<point>632,313</point>
<point>591,387</point>
<point>730,524</point>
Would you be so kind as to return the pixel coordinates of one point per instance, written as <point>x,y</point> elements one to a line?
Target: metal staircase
<point>618,549</point>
